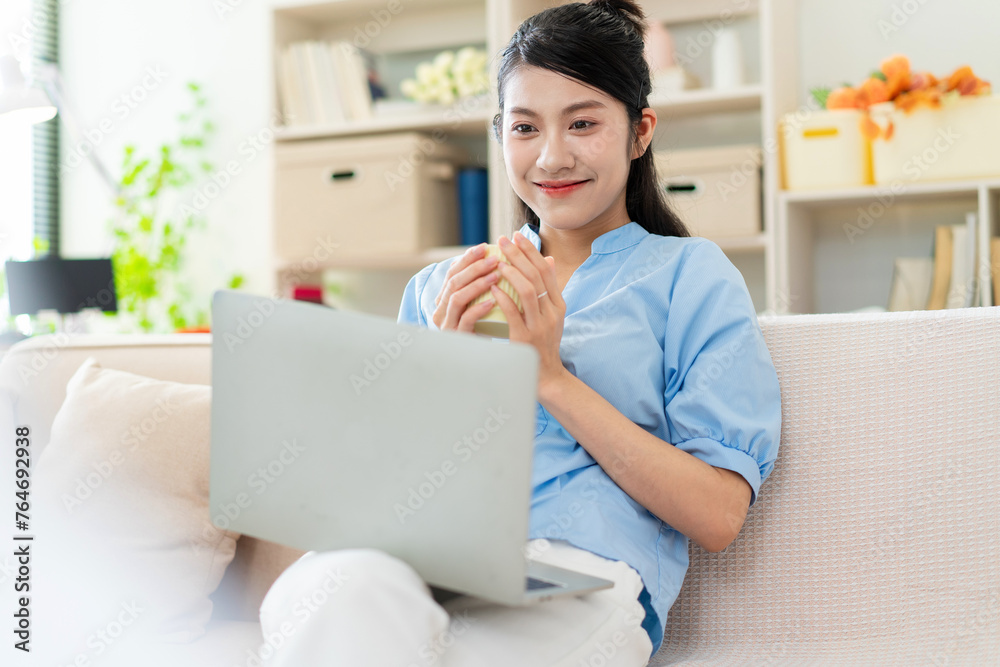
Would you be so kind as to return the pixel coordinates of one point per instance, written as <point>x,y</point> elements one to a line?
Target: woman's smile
<point>555,190</point>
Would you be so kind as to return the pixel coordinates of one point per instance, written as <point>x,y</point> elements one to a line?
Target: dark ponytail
<point>599,43</point>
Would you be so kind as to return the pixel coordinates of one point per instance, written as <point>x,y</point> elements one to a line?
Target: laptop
<point>333,429</point>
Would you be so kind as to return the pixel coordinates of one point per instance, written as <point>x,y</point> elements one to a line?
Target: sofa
<point>875,540</point>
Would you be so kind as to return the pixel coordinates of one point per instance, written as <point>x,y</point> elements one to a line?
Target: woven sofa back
<point>877,535</point>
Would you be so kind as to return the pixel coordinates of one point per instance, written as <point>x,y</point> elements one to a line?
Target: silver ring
<point>543,294</point>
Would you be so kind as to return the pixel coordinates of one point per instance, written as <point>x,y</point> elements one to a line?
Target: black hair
<point>599,43</point>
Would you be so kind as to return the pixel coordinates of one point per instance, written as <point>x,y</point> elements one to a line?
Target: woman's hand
<point>469,276</point>
<point>541,325</point>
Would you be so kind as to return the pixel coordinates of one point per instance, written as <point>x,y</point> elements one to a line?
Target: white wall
<point>108,44</point>
<point>109,50</point>
<point>846,39</point>
<point>15,153</point>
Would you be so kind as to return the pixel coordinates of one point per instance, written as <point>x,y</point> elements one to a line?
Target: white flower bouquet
<point>449,77</point>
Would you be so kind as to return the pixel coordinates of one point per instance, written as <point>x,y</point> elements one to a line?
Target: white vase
<point>727,60</point>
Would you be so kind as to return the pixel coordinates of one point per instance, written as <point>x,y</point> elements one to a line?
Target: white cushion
<point>124,537</point>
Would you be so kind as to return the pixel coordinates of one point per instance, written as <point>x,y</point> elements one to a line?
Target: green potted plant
<point>152,232</point>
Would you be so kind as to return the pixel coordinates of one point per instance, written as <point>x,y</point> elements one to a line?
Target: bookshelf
<point>800,262</point>
<point>439,24</point>
<point>840,244</point>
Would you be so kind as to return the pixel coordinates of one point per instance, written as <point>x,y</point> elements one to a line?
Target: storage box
<point>823,150</point>
<point>715,191</point>
<point>959,140</point>
<point>369,197</point>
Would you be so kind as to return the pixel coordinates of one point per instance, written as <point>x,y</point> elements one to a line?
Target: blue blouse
<point>664,329</point>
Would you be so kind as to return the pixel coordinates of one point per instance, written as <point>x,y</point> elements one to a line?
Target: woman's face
<point>556,129</point>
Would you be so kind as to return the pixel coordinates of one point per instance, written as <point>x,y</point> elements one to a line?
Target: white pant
<point>363,607</point>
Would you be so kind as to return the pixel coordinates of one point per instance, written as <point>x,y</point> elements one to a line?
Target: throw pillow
<point>129,549</point>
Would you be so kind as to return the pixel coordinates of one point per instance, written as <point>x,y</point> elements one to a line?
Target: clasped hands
<point>531,275</point>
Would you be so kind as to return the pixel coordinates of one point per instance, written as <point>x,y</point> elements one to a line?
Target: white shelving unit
<point>800,262</point>
<point>840,244</point>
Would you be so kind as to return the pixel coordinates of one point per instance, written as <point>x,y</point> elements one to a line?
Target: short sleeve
<point>409,307</point>
<point>722,398</point>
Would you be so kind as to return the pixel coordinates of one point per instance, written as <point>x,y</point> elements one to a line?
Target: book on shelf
<point>962,288</point>
<point>995,267</point>
<point>955,281</point>
<point>323,83</point>
<point>911,283</point>
<point>941,279</point>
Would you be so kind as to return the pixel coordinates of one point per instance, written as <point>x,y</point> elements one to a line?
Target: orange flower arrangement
<point>896,82</point>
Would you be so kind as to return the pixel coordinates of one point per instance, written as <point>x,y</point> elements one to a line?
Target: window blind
<point>45,136</point>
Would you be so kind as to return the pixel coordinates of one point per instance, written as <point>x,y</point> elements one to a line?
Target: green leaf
<point>130,177</point>
<point>820,95</point>
<point>193,86</point>
<point>235,281</point>
<point>877,74</point>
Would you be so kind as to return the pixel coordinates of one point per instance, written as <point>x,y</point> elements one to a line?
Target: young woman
<point>659,407</point>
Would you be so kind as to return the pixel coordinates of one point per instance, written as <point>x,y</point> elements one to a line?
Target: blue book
<point>473,205</point>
